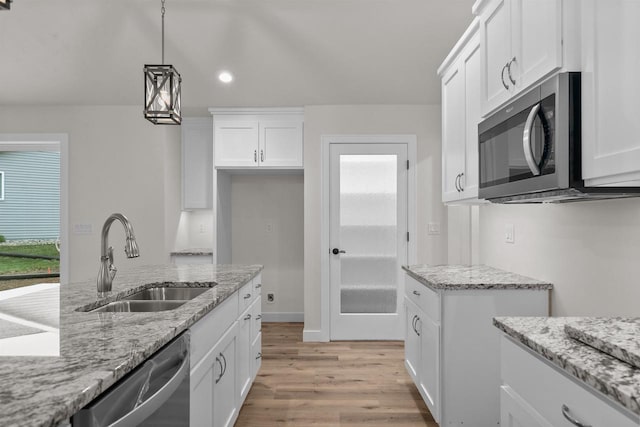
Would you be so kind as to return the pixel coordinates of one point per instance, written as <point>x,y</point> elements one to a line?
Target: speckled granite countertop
<point>546,336</point>
<point>97,349</point>
<point>193,251</point>
<point>462,277</point>
<point>618,337</point>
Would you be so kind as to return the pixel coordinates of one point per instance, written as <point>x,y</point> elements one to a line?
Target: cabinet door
<point>256,355</point>
<point>236,143</point>
<point>244,355</point>
<point>453,132</point>
<point>610,88</point>
<point>495,34</point>
<point>411,341</point>
<point>515,412</point>
<point>471,65</point>
<point>536,37</point>
<point>430,364</point>
<point>225,410</point>
<point>280,144</point>
<point>197,164</point>
<point>202,380</point>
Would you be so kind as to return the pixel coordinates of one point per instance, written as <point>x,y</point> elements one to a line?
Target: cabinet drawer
<point>246,295</point>
<point>546,390</point>
<point>256,356</point>
<point>426,299</point>
<point>257,285</point>
<point>256,318</point>
<point>208,330</point>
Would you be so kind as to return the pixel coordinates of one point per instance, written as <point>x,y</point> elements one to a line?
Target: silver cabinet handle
<point>261,155</point>
<point>416,293</point>
<point>526,140</point>
<point>259,356</point>
<point>502,76</point>
<point>258,286</point>
<point>509,70</point>
<point>247,296</point>
<point>259,317</point>
<point>460,182</point>
<point>413,323</point>
<point>571,419</point>
<point>224,359</point>
<point>255,156</point>
<point>416,328</point>
<point>247,317</point>
<point>219,361</point>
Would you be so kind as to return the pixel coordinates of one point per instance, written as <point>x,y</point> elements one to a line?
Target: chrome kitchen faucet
<point>107,270</point>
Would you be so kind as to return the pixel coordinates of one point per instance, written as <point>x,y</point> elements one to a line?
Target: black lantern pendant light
<point>162,90</point>
<point>5,4</point>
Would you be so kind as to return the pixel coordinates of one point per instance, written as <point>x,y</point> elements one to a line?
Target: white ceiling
<point>281,52</point>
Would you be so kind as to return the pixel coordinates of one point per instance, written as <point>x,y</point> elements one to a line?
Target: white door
<point>368,240</point>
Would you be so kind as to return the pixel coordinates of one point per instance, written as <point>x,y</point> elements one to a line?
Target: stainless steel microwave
<point>530,152</point>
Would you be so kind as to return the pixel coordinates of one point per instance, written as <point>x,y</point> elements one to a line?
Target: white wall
<point>588,250</point>
<point>421,120</point>
<point>118,162</point>
<point>267,228</point>
<point>195,230</point>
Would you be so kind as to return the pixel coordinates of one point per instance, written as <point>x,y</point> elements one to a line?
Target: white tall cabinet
<point>460,74</point>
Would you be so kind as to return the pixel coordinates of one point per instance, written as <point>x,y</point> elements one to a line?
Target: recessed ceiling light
<point>225,77</point>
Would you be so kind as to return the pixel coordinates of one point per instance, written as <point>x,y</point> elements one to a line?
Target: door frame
<point>325,161</point>
<point>49,142</point>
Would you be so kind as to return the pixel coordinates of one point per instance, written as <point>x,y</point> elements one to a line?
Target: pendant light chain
<point>162,10</point>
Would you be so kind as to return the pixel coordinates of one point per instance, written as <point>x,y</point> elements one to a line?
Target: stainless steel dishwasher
<point>154,394</point>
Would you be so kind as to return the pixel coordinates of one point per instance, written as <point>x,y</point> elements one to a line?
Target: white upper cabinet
<point>522,42</point>
<point>258,138</point>
<point>460,74</point>
<point>197,163</point>
<point>610,88</point>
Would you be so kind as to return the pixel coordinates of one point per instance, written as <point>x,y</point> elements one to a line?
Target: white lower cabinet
<point>223,363</point>
<point>535,393</point>
<point>452,349</point>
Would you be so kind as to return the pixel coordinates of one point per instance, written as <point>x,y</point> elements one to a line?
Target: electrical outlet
<point>434,228</point>
<point>271,298</point>
<point>269,227</point>
<point>509,233</point>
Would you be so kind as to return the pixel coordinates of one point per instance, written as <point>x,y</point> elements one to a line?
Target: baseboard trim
<point>282,317</point>
<point>311,335</point>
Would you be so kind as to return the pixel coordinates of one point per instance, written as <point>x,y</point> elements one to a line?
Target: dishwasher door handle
<point>151,405</point>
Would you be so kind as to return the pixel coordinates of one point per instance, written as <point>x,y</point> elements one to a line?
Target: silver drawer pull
<point>258,286</point>
<point>247,296</point>
<point>259,356</point>
<point>259,316</point>
<point>572,420</point>
<point>247,317</point>
<point>416,293</point>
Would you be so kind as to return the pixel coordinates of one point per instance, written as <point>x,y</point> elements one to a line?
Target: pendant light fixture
<point>162,90</point>
<point>5,4</point>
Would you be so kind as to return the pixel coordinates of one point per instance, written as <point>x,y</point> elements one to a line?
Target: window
<point>1,185</point>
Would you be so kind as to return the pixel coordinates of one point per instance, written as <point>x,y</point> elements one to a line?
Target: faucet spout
<point>107,270</point>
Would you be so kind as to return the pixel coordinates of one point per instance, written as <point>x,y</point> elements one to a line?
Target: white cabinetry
<point>223,363</point>
<point>535,393</point>
<point>522,42</point>
<point>452,349</point>
<point>610,87</point>
<point>197,163</point>
<point>259,138</point>
<point>460,74</point>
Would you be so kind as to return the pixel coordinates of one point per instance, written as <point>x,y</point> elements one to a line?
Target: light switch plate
<point>434,228</point>
<point>509,233</point>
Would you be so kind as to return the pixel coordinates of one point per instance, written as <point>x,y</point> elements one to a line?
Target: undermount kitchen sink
<point>166,294</point>
<point>138,306</point>
<point>160,298</point>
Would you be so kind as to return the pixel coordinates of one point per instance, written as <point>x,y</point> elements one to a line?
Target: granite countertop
<point>546,336</point>
<point>97,349</point>
<point>477,277</point>
<point>193,251</point>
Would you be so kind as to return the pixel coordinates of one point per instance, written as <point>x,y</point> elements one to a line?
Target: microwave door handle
<point>526,140</point>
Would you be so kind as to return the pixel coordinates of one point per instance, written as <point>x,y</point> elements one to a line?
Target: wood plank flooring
<point>346,383</point>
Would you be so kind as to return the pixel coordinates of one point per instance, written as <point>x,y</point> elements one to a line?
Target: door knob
<point>337,251</point>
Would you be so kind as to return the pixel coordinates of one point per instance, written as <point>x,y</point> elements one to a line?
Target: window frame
<point>1,186</point>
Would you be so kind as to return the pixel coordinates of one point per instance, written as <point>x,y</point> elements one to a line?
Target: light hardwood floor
<point>347,383</point>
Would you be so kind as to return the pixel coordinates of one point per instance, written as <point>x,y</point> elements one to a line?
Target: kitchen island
<point>98,349</point>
